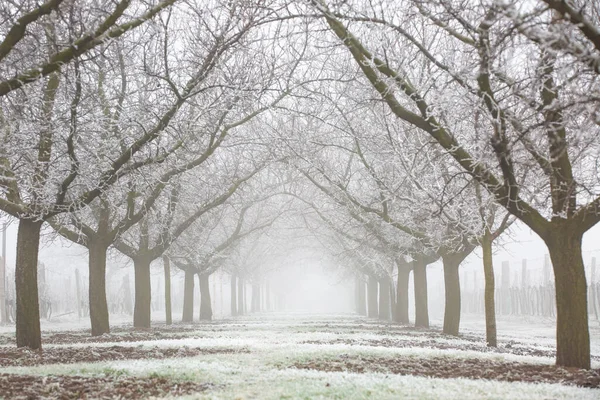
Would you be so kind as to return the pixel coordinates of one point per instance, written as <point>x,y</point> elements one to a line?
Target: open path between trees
<point>298,356</point>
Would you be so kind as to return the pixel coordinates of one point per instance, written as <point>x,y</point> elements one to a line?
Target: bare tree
<point>24,30</point>
<point>158,230</point>
<point>522,118</point>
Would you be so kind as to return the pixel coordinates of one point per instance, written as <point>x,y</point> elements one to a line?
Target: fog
<point>349,199</point>
<point>303,278</point>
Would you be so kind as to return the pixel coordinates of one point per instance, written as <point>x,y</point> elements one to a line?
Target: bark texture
<point>188,297</point>
<point>168,309</point>
<point>490,290</point>
<point>401,311</point>
<point>205,305</point>
<point>420,284</point>
<point>372,297</point>
<point>142,313</point>
<point>452,295</point>
<point>393,302</point>
<point>28,309</point>
<point>384,299</point>
<point>572,330</point>
<point>97,288</point>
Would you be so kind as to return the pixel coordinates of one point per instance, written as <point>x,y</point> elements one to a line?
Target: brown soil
<point>117,336</point>
<point>508,348</point>
<point>69,355</point>
<point>26,387</point>
<point>125,334</point>
<point>128,336</point>
<point>442,367</point>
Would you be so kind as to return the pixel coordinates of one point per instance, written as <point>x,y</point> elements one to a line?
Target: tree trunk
<point>188,297</point>
<point>452,295</point>
<point>384,299</point>
<point>361,295</point>
<point>245,298</point>
<point>572,330</point>
<point>97,288</point>
<point>393,302</point>
<point>78,294</point>
<point>593,288</point>
<point>240,296</point>
<point>143,293</point>
<point>233,296</point>
<point>267,297</point>
<point>3,310</point>
<point>372,294</point>
<point>28,309</point>
<point>205,306</point>
<point>490,290</point>
<point>255,300</point>
<point>168,311</point>
<point>401,314</point>
<point>420,284</point>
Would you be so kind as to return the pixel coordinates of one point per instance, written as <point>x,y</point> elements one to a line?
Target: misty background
<point>304,280</point>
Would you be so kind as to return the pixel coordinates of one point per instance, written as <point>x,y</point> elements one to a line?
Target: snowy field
<point>295,357</point>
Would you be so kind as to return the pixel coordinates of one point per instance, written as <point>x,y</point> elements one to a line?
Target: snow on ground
<point>254,375</point>
<point>531,330</point>
<point>266,347</point>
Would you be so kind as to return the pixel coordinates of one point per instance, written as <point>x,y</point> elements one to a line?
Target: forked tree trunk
<point>188,297</point>
<point>452,294</point>
<point>233,296</point>
<point>168,310</point>
<point>205,306</point>
<point>401,314</point>
<point>143,293</point>
<point>240,296</point>
<point>28,309</point>
<point>372,296</point>
<point>572,330</point>
<point>490,290</point>
<point>361,295</point>
<point>97,288</point>
<point>420,284</point>
<point>384,299</point>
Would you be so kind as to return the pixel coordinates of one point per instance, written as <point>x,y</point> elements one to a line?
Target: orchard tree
<point>365,246</point>
<point>50,142</point>
<point>188,201</point>
<point>64,30</point>
<point>508,90</point>
<point>78,119</point>
<point>405,183</point>
<point>207,247</point>
<point>112,215</point>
